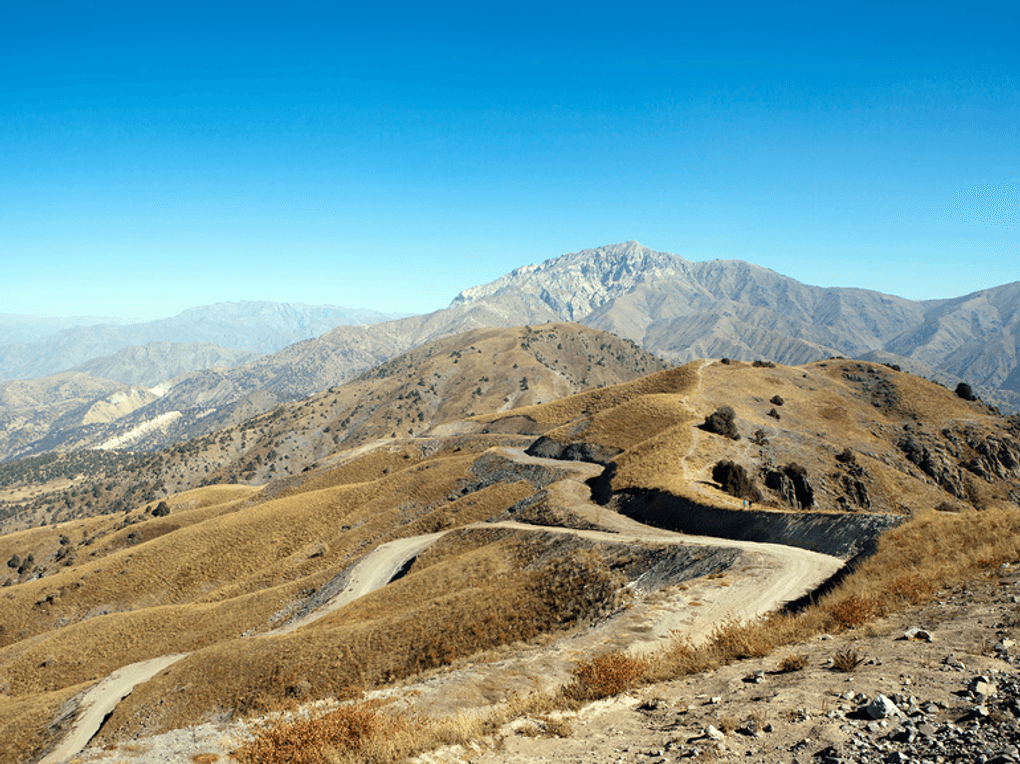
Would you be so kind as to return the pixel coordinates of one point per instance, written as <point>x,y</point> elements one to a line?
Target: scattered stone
<point>981,687</point>
<point>714,734</point>
<point>882,708</point>
<point>915,633</point>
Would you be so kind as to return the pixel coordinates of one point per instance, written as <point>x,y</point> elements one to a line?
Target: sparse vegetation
<point>722,422</point>
<point>793,662</point>
<point>604,676</point>
<point>847,660</point>
<point>734,480</point>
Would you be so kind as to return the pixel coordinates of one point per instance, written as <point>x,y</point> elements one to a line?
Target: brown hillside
<point>479,371</point>
<point>229,564</point>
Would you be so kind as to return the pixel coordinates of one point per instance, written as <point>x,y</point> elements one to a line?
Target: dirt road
<point>101,699</point>
<point>770,575</point>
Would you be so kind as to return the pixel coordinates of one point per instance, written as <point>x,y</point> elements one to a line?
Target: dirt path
<point>770,575</point>
<point>374,571</point>
<point>101,699</point>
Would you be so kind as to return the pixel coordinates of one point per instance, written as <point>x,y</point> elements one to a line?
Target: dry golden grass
<point>355,732</point>
<point>678,381</point>
<point>22,721</point>
<point>475,592</point>
<point>196,580</point>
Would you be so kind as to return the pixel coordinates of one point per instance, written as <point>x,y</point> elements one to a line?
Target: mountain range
<point>35,347</point>
<point>677,309</point>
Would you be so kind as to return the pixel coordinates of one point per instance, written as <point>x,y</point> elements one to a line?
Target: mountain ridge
<point>677,309</point>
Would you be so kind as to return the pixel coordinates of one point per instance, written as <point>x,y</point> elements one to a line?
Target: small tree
<point>963,390</point>
<point>721,422</point>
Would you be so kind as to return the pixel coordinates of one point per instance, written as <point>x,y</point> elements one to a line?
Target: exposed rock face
<point>572,452</point>
<point>792,485</point>
<point>953,456</point>
<point>855,489</point>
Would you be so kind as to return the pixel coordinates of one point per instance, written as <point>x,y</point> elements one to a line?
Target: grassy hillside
<point>220,566</point>
<point>480,371</point>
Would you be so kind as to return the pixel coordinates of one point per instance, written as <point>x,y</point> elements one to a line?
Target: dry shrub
<point>351,732</point>
<point>794,662</point>
<point>680,659</point>
<point>851,612</point>
<point>604,676</point>
<point>557,727</point>
<point>736,640</point>
<point>910,588</point>
<point>205,758</point>
<point>847,660</point>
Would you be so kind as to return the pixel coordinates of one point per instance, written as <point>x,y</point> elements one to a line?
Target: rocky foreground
<point>939,684</point>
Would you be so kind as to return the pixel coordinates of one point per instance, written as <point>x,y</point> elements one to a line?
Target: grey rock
<point>882,708</point>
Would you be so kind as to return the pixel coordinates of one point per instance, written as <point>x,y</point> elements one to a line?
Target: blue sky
<point>160,155</point>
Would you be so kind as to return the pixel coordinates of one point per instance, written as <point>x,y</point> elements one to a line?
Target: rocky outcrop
<point>548,448</point>
<point>952,457</point>
<point>791,484</point>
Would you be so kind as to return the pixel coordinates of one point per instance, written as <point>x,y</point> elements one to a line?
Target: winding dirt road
<point>767,576</point>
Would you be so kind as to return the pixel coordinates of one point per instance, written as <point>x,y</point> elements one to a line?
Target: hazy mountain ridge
<point>23,327</point>
<point>252,326</point>
<point>157,362</point>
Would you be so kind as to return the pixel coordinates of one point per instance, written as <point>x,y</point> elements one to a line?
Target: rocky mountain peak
<point>575,284</point>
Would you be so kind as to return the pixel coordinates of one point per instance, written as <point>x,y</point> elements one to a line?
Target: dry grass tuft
<point>350,733</point>
<point>793,662</point>
<point>848,660</point>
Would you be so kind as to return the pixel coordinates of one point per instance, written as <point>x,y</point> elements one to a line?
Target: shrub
<point>963,390</point>
<point>763,364</point>
<point>357,730</point>
<point>851,611</point>
<point>846,456</point>
<point>847,660</point>
<point>604,676</point>
<point>792,663</point>
<point>721,422</point>
<point>735,481</point>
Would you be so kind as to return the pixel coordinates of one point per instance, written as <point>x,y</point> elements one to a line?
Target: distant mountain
<point>157,362</point>
<point>677,309</point>
<point>729,308</point>
<point>21,327</point>
<point>253,327</point>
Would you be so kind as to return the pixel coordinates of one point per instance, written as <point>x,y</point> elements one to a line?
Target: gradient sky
<point>160,155</point>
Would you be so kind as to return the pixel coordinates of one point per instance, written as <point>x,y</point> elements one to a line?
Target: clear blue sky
<point>159,155</point>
